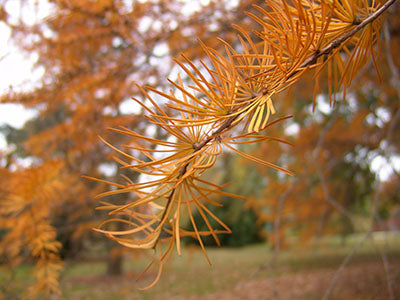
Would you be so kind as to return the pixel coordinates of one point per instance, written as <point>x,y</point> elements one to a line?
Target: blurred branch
<point>342,266</point>
<point>328,197</point>
<point>282,199</point>
<point>395,79</point>
<point>368,234</point>
<point>385,262</point>
<point>4,56</point>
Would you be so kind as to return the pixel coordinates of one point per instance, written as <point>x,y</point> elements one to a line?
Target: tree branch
<point>227,124</point>
<point>336,43</point>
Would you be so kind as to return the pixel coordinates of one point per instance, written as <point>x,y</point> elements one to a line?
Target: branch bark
<point>227,124</point>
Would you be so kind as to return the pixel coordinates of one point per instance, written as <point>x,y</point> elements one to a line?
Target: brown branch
<point>308,62</point>
<point>282,199</point>
<point>339,41</point>
<point>197,147</point>
<point>343,265</point>
<point>328,197</point>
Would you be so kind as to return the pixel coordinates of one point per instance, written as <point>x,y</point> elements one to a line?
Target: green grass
<point>190,274</point>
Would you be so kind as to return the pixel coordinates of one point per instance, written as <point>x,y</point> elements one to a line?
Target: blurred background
<point>67,73</point>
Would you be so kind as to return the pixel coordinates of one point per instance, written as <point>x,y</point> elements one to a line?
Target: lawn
<point>297,273</point>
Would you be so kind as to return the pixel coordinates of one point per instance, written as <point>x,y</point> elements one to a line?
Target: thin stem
<point>343,265</point>
<point>227,124</point>
<point>336,43</point>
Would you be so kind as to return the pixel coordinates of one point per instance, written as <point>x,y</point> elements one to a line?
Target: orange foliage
<point>26,213</point>
<point>94,52</point>
<point>233,88</point>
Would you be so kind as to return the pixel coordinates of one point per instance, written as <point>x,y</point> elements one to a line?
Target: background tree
<point>244,221</point>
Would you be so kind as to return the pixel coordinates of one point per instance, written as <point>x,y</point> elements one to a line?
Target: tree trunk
<point>115,260</point>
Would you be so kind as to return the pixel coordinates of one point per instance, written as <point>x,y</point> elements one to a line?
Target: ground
<point>365,281</point>
<point>303,273</point>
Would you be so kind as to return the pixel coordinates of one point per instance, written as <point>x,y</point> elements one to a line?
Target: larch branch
<point>227,124</point>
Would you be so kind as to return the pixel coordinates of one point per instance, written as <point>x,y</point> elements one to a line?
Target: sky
<point>16,69</point>
<point>17,72</point>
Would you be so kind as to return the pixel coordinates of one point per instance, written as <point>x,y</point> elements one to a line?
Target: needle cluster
<point>229,101</point>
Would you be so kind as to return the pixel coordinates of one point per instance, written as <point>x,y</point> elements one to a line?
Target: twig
<point>336,43</point>
<point>228,124</point>
<point>392,66</point>
<point>344,263</point>
<point>328,197</point>
<point>283,198</point>
<point>385,262</point>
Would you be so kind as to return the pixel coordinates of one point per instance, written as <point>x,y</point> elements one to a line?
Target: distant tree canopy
<point>224,95</point>
<point>239,216</point>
